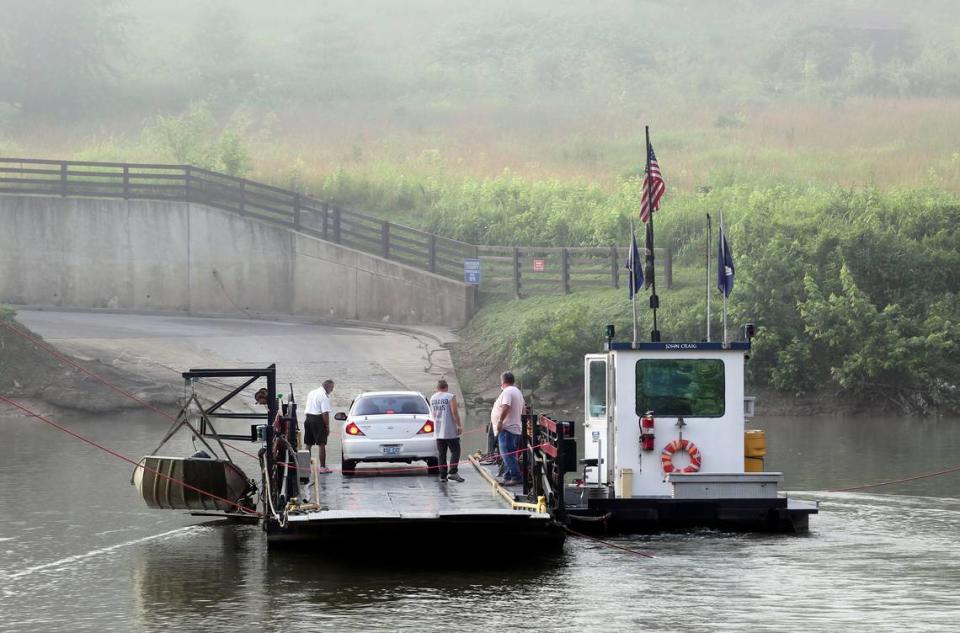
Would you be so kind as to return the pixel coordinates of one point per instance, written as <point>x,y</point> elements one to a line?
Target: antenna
<point>709,246</point>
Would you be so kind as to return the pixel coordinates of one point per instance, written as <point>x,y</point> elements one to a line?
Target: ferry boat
<point>664,448</point>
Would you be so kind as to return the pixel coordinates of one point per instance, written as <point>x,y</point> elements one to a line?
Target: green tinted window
<point>598,389</point>
<point>691,387</point>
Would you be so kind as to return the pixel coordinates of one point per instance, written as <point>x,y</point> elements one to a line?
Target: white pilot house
<point>664,443</point>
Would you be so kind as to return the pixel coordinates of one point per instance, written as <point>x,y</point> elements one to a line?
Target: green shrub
<point>195,138</point>
<point>548,351</point>
<point>854,291</point>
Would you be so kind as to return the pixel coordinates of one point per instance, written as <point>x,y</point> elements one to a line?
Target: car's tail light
<point>353,429</point>
<point>427,427</point>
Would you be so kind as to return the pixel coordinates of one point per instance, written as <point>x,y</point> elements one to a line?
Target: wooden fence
<point>518,271</point>
<point>527,270</point>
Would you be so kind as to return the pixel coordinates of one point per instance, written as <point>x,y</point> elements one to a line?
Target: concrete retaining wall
<point>174,256</point>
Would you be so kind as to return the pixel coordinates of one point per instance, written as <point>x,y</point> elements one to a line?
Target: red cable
<point>462,461</point>
<point>118,455</point>
<point>609,544</point>
<point>63,357</point>
<point>937,473</point>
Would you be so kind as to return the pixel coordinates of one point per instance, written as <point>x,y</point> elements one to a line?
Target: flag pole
<point>633,282</point>
<point>723,247</point>
<point>654,299</point>
<point>709,247</point>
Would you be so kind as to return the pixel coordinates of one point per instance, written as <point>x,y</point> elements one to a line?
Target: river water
<point>79,551</point>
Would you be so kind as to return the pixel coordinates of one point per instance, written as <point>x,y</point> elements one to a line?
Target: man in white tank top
<point>446,416</point>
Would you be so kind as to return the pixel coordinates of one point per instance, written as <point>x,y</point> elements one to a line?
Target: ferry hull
<point>648,515</point>
<point>482,533</point>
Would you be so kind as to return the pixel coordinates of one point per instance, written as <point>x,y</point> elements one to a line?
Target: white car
<point>388,426</point>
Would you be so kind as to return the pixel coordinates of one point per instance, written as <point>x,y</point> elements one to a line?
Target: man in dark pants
<point>316,427</point>
<point>446,416</point>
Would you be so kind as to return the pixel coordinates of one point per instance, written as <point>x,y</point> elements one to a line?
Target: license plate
<point>390,450</point>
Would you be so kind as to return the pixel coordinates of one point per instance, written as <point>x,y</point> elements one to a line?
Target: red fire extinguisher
<point>646,431</point>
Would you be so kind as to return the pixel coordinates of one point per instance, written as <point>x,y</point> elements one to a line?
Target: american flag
<point>653,187</point>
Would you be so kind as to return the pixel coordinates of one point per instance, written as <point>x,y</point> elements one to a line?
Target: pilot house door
<point>595,415</point>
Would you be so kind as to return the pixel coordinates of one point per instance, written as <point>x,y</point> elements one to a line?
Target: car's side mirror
<point>340,416</point>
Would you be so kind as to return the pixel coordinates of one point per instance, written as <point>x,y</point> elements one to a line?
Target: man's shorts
<point>315,430</point>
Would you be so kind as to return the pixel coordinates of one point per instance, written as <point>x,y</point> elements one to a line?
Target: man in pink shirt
<point>506,424</point>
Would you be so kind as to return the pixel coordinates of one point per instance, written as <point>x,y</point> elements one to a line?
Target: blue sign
<point>471,272</point>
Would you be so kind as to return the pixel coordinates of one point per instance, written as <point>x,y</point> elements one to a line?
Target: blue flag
<point>724,266</point>
<point>635,266</point>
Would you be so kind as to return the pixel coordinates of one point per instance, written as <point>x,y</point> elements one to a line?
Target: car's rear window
<point>378,405</point>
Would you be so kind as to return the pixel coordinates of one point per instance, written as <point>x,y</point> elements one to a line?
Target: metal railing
<point>516,270</point>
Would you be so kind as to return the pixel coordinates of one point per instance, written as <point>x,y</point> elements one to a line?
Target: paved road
<point>357,358</point>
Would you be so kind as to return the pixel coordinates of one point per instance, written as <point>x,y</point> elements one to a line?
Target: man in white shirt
<point>316,427</point>
<point>446,415</point>
<point>506,424</point>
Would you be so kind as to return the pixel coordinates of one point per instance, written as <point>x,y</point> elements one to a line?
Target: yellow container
<point>754,450</point>
<point>754,444</point>
<point>753,464</point>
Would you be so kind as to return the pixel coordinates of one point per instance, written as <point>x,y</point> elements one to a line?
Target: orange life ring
<point>666,457</point>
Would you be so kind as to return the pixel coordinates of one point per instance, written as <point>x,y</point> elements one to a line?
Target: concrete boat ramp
<point>391,504</point>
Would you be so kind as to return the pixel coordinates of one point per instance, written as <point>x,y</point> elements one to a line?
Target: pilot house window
<point>598,389</point>
<point>688,387</point>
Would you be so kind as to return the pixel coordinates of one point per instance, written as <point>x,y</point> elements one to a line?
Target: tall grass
<point>863,142</point>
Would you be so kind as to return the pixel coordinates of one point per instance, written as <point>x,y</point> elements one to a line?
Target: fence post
<point>187,183</point>
<point>243,197</point>
<point>565,270</point>
<point>667,268</point>
<point>296,211</point>
<point>63,179</point>
<point>336,225</point>
<point>323,217</point>
<point>614,268</point>
<point>126,182</point>
<point>432,253</point>
<point>385,239</point>
<point>516,272</point>
<point>475,252</point>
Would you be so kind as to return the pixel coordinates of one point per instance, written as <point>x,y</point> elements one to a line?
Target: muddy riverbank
<point>34,369</point>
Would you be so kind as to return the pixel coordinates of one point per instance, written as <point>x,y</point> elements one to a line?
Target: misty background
<point>543,88</point>
<point>828,131</point>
